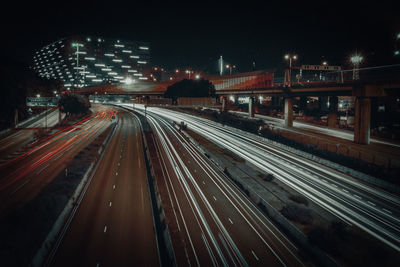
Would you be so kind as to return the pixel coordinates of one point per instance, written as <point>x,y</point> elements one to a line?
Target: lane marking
<point>110,204</point>
<point>230,220</point>
<point>42,169</point>
<point>105,228</point>
<point>357,196</point>
<point>204,182</point>
<point>113,187</point>
<point>344,190</point>
<point>388,211</point>
<point>215,198</point>
<point>119,164</point>
<point>373,204</point>
<point>116,173</point>
<point>254,254</point>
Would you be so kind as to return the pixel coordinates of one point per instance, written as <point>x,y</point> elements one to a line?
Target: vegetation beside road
<point>190,88</point>
<point>74,104</point>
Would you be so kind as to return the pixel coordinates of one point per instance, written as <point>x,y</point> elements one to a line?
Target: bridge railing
<point>386,73</point>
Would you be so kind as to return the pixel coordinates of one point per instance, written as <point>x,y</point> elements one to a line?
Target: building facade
<point>88,61</point>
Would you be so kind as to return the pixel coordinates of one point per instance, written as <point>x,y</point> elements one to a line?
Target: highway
<point>338,133</point>
<point>113,225</point>
<point>211,222</point>
<point>24,176</point>
<point>372,210</point>
<point>11,143</point>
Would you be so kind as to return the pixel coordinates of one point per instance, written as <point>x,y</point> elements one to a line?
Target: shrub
<point>299,199</point>
<point>297,213</point>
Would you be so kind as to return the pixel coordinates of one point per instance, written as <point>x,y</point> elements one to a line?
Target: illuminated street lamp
<point>230,67</point>
<point>189,72</point>
<point>288,73</point>
<point>197,76</point>
<point>128,81</point>
<point>356,60</point>
<point>324,63</point>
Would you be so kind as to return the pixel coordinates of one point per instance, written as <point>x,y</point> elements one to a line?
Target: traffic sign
<point>41,101</point>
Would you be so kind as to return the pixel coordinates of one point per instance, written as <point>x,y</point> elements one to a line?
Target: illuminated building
<point>87,61</point>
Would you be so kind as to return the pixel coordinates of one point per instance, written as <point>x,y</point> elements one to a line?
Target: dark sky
<point>196,33</point>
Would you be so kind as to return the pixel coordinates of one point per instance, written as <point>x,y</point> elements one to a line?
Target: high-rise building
<point>87,61</point>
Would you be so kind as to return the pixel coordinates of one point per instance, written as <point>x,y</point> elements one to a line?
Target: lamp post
<point>188,72</point>
<point>356,60</point>
<point>290,58</point>
<point>230,67</point>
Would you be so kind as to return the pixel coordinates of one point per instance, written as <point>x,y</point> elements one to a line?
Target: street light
<point>288,73</point>
<point>230,67</point>
<point>197,76</point>
<point>189,72</point>
<point>356,60</point>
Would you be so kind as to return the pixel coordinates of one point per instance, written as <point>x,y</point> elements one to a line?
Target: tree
<point>74,104</point>
<point>190,88</point>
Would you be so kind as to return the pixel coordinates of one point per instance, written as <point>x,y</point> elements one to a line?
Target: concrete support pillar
<point>251,107</point>
<point>333,109</point>
<point>362,120</point>
<point>223,104</point>
<point>288,112</point>
<point>333,120</point>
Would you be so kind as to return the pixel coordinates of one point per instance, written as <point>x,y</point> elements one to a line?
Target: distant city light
<point>197,76</point>
<point>128,81</point>
<point>38,95</point>
<point>356,59</point>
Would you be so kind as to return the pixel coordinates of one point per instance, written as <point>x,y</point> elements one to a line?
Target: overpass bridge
<point>261,83</point>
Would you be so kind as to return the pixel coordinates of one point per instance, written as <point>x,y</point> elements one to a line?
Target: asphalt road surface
<point>355,203</point>
<point>24,176</point>
<point>211,222</point>
<point>113,225</point>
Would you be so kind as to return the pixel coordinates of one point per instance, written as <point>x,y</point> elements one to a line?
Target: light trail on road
<point>340,194</point>
<point>217,223</point>
<point>24,176</point>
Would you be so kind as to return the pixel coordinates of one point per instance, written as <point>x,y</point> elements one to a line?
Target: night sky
<point>195,33</point>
